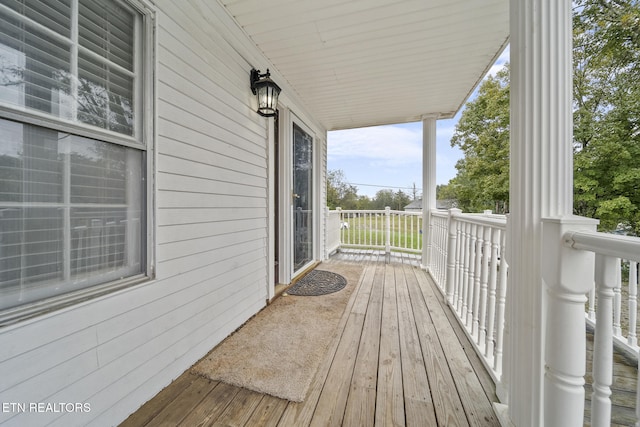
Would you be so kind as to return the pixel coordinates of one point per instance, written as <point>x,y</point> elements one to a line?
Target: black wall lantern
<point>267,92</point>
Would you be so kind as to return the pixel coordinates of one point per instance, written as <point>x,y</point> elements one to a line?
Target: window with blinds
<point>72,207</point>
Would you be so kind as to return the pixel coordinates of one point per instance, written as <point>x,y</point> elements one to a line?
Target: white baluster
<point>465,267</point>
<point>502,296</point>
<point>638,394</point>
<point>451,254</point>
<point>491,306</point>
<point>441,246</point>
<point>484,278</point>
<point>387,233</point>
<point>592,304</point>
<point>371,218</point>
<point>617,300</point>
<point>606,276</point>
<point>468,313</point>
<point>632,338</point>
<point>476,281</point>
<point>459,267</point>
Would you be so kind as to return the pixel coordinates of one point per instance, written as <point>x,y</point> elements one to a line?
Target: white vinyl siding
<point>211,236</point>
<point>211,240</point>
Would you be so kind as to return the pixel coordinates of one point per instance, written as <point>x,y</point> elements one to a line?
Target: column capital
<point>434,116</point>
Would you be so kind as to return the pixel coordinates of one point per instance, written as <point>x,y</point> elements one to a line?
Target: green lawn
<point>370,231</point>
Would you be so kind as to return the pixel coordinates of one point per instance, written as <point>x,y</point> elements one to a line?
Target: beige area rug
<point>279,350</point>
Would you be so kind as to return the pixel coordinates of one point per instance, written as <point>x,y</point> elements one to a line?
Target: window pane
<point>30,250</point>
<point>30,164</point>
<point>98,243</point>
<point>90,81</point>
<point>105,97</point>
<point>107,29</point>
<point>53,14</point>
<point>99,172</point>
<point>71,213</point>
<point>34,69</point>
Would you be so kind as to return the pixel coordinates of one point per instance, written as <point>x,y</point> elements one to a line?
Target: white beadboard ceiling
<point>358,63</point>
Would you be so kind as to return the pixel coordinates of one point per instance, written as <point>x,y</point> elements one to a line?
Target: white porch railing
<point>466,263</point>
<point>625,305</point>
<point>566,371</point>
<point>590,277</point>
<point>388,230</point>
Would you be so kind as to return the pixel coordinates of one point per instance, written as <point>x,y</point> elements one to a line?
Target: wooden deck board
<point>390,397</point>
<point>213,404</point>
<point>466,380</point>
<point>154,406</point>
<point>397,360</point>
<point>268,413</point>
<point>419,409</point>
<point>361,402</point>
<point>184,404</point>
<point>446,401</point>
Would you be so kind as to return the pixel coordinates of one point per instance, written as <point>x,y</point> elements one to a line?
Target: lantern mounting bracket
<point>256,76</point>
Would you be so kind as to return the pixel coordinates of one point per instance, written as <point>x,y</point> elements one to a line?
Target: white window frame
<point>142,140</point>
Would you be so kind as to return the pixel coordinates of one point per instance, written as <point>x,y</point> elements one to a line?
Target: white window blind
<point>72,208</point>
<point>73,59</point>
<point>71,212</point>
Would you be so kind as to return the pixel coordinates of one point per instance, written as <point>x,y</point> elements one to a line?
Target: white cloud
<point>388,145</point>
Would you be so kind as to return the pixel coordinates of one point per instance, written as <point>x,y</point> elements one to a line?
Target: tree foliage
<point>339,192</point>
<point>344,195</point>
<point>607,112</point>
<point>482,133</point>
<point>606,88</point>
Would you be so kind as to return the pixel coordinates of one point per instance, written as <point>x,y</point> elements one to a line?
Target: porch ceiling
<point>358,63</point>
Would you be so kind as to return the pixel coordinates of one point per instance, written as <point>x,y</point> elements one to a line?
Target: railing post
<point>387,234</point>
<point>341,220</point>
<point>451,254</point>
<point>568,275</point>
<point>632,338</point>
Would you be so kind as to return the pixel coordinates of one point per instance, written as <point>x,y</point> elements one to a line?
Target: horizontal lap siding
<point>117,351</point>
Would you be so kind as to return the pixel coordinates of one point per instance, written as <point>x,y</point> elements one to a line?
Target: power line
<point>385,186</point>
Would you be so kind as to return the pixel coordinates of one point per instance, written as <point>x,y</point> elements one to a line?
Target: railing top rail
<point>376,211</point>
<point>410,213</point>
<point>625,247</point>
<point>379,211</point>
<point>440,213</point>
<point>496,221</point>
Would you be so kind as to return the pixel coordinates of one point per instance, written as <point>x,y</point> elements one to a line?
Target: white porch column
<point>428,182</point>
<point>541,181</point>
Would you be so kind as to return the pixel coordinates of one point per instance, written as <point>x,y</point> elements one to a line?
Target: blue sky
<point>390,156</point>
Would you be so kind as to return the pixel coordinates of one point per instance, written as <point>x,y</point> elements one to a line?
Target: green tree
<point>482,133</point>
<point>340,193</point>
<point>607,112</point>
<point>383,199</point>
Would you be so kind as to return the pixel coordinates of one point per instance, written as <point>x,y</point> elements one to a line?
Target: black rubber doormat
<point>318,282</point>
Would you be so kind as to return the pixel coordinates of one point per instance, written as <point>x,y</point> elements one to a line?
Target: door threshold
<point>281,288</point>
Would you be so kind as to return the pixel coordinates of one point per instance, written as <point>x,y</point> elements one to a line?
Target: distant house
<point>416,205</point>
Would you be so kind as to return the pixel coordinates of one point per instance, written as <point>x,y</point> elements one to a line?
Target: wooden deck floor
<point>401,359</point>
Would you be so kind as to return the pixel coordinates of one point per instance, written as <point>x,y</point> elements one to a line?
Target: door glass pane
<point>302,198</point>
